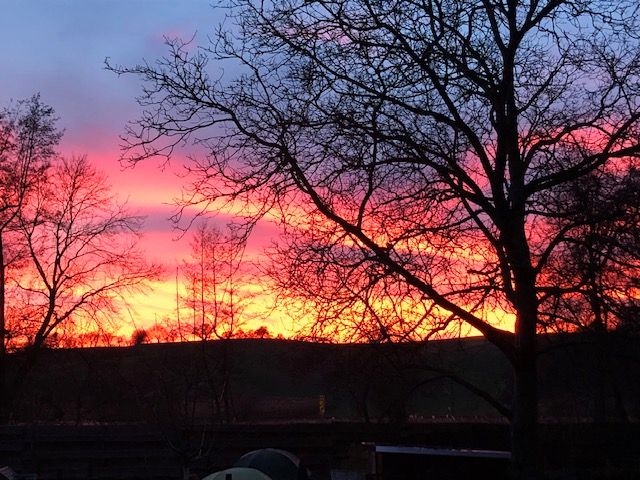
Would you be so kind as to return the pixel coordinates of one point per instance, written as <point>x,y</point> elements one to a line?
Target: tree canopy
<point>414,151</point>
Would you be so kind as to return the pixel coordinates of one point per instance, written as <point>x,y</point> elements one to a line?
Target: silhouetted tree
<point>214,275</point>
<point>139,336</point>
<point>595,269</point>
<point>28,139</point>
<point>79,260</point>
<point>410,149</point>
<point>82,252</point>
<point>260,332</point>
<point>213,278</point>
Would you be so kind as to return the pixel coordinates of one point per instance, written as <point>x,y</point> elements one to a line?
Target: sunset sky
<point>58,48</point>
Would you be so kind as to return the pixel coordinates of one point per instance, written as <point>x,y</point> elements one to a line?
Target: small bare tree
<point>80,258</point>
<point>82,251</point>
<point>214,275</point>
<point>596,270</point>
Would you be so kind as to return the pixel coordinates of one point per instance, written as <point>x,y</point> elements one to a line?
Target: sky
<point>58,48</point>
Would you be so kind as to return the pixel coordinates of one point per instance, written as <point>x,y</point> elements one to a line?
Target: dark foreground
<point>171,411</point>
<point>329,449</point>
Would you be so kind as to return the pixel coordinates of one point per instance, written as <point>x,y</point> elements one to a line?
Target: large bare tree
<point>412,147</point>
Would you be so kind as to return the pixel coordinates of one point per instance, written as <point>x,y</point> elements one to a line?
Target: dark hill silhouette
<point>255,380</point>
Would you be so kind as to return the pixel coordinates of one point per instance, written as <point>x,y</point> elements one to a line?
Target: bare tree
<point>214,275</point>
<point>597,266</point>
<point>596,269</point>
<point>415,144</point>
<point>28,138</point>
<point>81,258</point>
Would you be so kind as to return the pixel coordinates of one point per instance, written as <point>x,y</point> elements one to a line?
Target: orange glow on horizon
<point>151,191</point>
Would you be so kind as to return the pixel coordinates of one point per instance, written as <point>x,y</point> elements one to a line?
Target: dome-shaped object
<point>238,473</point>
<point>7,473</point>
<point>277,464</point>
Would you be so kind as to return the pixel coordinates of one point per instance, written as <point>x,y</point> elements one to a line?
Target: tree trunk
<point>524,434</point>
<point>601,380</point>
<point>524,423</point>
<point>226,382</point>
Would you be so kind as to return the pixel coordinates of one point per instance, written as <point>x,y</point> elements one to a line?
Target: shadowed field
<point>263,380</point>
<point>159,410</point>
